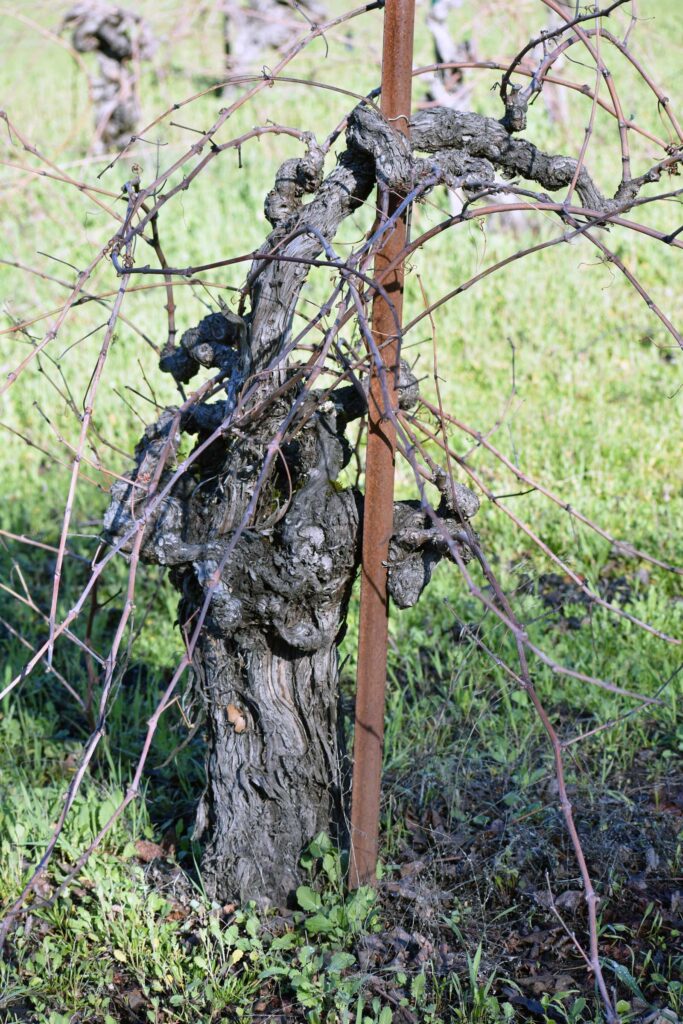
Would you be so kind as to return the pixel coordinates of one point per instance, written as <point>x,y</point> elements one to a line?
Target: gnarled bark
<point>274,577</point>
<point>256,31</point>
<point>265,665</point>
<point>121,39</point>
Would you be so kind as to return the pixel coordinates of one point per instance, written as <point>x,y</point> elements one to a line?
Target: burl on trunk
<point>269,558</point>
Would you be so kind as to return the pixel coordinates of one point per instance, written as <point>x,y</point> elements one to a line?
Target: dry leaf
<point>236,718</point>
<point>148,851</point>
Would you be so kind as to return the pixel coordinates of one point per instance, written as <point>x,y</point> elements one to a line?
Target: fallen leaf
<point>136,999</point>
<point>236,718</point>
<point>569,900</point>
<point>413,867</point>
<point>148,851</point>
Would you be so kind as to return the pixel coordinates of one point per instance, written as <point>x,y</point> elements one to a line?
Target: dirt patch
<point>511,883</point>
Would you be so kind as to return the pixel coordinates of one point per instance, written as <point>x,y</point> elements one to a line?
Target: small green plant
<point>320,975</point>
<point>472,997</point>
<point>315,978</point>
<point>335,916</point>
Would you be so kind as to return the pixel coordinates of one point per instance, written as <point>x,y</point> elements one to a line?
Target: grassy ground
<point>464,927</point>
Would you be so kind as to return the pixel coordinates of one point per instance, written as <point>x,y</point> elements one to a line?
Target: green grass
<point>595,415</point>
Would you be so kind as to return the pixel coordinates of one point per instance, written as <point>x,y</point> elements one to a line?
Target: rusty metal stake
<point>397,64</point>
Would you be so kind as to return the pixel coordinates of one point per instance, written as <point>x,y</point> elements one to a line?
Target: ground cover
<point>480,895</point>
